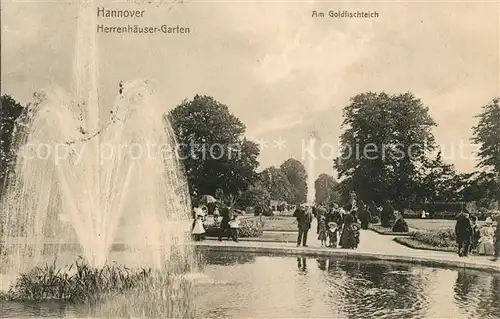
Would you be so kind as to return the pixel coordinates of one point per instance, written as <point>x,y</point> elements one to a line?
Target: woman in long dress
<point>485,245</point>
<point>348,238</point>
<point>198,229</point>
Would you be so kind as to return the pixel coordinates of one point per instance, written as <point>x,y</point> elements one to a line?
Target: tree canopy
<point>297,176</point>
<point>277,184</point>
<point>487,135</point>
<point>212,146</point>
<point>384,143</point>
<point>325,189</point>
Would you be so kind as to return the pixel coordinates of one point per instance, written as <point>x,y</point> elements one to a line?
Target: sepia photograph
<point>249,159</point>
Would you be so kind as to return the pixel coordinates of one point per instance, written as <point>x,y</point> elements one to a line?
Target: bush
<point>436,238</point>
<point>249,227</point>
<point>86,284</point>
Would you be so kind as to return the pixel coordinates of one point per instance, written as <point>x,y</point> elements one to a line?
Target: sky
<point>282,72</point>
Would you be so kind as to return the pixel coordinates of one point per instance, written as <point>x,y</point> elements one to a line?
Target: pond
<point>256,286</point>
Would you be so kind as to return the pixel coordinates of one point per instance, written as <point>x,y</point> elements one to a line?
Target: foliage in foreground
<point>114,291</point>
<point>79,284</point>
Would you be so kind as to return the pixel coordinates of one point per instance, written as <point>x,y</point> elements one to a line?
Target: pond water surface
<point>253,286</point>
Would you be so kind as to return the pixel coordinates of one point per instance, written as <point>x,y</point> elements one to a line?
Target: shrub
<point>249,227</point>
<point>375,220</point>
<point>436,238</point>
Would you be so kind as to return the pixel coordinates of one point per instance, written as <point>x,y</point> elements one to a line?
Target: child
<point>355,230</point>
<point>234,227</point>
<point>198,229</point>
<point>322,229</point>
<point>332,234</point>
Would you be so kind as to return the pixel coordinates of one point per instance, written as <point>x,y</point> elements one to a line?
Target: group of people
<point>472,238</point>
<point>229,224</point>
<point>335,227</point>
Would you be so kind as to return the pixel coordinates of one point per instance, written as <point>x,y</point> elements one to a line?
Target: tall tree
<point>297,176</point>
<point>438,181</point>
<point>325,189</point>
<point>256,196</point>
<point>10,111</point>
<point>215,153</point>
<point>487,135</point>
<point>277,184</point>
<point>384,142</point>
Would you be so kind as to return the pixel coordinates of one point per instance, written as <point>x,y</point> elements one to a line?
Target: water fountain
<point>310,170</point>
<point>85,182</point>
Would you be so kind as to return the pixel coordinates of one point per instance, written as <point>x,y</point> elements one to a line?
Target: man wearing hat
<point>304,219</point>
<point>463,233</point>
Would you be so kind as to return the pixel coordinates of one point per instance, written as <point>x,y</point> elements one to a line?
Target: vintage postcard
<point>249,159</point>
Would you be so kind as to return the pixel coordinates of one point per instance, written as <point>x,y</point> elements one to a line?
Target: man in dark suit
<point>463,232</point>
<point>304,219</point>
<point>224,225</point>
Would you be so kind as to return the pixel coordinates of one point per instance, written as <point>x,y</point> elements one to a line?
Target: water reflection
<point>225,259</point>
<point>302,264</point>
<point>250,286</point>
<point>329,287</point>
<point>477,294</point>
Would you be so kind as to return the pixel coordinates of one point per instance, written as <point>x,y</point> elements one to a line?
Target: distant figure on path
<point>198,229</point>
<point>348,238</point>
<point>322,230</point>
<point>332,234</point>
<point>234,225</point>
<point>304,219</point>
<point>476,235</point>
<point>497,241</point>
<point>463,233</point>
<point>424,214</point>
<point>400,226</point>
<point>486,242</point>
<point>224,225</point>
<point>196,212</point>
<point>364,215</point>
<point>216,215</point>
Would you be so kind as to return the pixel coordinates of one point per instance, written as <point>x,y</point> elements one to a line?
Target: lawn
<point>280,223</point>
<point>432,224</point>
<point>431,234</point>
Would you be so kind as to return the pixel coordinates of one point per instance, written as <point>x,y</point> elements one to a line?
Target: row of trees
<point>402,162</point>
<point>396,158</point>
<point>202,123</point>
